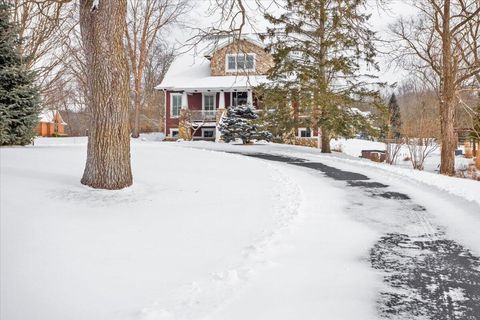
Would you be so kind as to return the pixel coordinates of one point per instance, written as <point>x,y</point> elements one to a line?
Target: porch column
<point>221,101</point>
<point>250,98</point>
<point>221,110</point>
<point>184,100</point>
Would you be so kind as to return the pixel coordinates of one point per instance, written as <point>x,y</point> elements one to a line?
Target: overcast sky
<point>380,20</point>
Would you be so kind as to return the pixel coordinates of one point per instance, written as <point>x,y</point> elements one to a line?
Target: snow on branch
<point>95,4</point>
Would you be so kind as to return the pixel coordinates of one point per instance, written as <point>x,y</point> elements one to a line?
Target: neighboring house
<point>207,85</point>
<point>51,124</point>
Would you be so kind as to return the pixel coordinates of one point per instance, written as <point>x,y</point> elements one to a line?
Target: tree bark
<point>325,141</point>
<point>448,140</point>
<point>322,77</point>
<point>447,104</point>
<point>108,152</point>
<point>477,160</point>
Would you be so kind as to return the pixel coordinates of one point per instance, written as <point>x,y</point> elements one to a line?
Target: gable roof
<point>225,42</point>
<point>191,71</point>
<point>48,116</point>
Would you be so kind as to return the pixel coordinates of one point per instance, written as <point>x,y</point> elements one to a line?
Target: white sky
<point>198,17</point>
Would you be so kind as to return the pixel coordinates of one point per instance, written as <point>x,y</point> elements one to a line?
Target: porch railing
<point>203,115</point>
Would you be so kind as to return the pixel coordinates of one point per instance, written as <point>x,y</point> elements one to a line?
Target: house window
<point>209,102</point>
<point>239,98</point>
<point>240,61</point>
<point>208,133</point>
<point>174,133</point>
<point>231,62</point>
<point>304,132</point>
<point>176,105</point>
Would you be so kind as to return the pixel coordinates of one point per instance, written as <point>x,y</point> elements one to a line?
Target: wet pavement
<point>426,275</point>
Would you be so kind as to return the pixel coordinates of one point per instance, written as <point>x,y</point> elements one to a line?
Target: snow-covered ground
<point>203,234</point>
<point>354,147</point>
<point>70,252</point>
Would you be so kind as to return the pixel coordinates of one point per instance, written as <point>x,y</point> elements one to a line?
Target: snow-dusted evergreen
<point>395,122</point>
<point>319,48</point>
<point>239,123</point>
<point>19,99</point>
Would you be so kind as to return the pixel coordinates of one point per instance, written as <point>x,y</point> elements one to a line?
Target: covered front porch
<point>205,108</point>
<point>204,103</point>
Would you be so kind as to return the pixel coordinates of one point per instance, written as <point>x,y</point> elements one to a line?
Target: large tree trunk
<point>108,154</point>
<point>449,139</point>
<point>322,77</point>
<point>325,141</point>
<point>477,160</point>
<point>447,105</point>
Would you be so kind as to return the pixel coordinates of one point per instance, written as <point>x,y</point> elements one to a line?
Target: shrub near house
<point>239,123</point>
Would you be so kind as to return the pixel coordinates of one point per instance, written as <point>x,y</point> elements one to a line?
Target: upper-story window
<point>241,61</point>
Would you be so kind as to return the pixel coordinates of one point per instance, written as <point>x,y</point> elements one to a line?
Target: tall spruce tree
<point>19,98</point>
<point>319,48</point>
<point>395,122</point>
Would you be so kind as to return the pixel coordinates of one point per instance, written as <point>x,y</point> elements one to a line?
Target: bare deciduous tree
<point>392,150</point>
<point>441,45</point>
<point>153,111</point>
<point>146,21</point>
<point>39,24</point>
<point>420,130</point>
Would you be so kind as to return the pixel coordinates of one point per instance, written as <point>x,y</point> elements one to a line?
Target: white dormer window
<point>239,62</point>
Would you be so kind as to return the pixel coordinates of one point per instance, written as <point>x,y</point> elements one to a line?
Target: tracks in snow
<point>200,298</point>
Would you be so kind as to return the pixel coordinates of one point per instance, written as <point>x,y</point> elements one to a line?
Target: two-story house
<point>206,85</point>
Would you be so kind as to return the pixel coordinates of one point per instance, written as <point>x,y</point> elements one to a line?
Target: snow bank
<point>60,141</point>
<point>464,188</point>
<point>354,147</point>
<point>152,136</point>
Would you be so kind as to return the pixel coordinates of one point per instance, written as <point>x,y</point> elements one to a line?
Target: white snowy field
<point>200,235</point>
<point>354,147</point>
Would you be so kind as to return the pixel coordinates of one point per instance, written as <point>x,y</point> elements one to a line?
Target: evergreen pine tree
<point>394,117</point>
<point>19,98</point>
<point>277,116</point>
<point>239,122</point>
<point>319,47</point>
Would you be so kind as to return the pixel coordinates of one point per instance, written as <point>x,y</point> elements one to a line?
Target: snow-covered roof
<point>191,71</point>
<point>49,117</point>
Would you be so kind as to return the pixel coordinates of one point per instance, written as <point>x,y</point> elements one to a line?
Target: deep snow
<point>204,235</point>
<point>70,252</point>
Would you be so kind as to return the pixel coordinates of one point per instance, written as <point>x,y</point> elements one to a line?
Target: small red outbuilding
<point>51,124</point>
